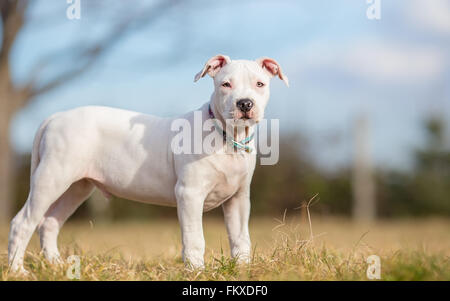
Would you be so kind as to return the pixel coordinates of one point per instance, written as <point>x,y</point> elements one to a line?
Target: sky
<point>341,65</point>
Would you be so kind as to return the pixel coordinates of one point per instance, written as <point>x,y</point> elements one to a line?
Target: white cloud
<point>432,15</point>
<point>374,60</point>
<point>394,61</point>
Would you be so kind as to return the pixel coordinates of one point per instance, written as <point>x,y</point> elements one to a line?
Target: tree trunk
<point>6,160</point>
<point>8,106</point>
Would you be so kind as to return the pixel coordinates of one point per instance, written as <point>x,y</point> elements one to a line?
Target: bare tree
<point>13,97</point>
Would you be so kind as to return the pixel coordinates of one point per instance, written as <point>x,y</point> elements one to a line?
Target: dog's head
<point>241,87</point>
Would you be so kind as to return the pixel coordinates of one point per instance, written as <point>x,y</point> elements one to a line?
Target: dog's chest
<point>230,174</point>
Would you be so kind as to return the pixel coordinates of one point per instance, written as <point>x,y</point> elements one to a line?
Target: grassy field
<point>283,250</point>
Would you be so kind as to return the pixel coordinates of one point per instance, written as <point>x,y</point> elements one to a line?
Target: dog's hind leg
<point>58,213</point>
<point>47,185</point>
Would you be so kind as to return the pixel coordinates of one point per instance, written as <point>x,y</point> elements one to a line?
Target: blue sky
<point>340,64</point>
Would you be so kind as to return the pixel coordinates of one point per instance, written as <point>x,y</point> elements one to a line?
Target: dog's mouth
<point>245,115</point>
<point>246,119</point>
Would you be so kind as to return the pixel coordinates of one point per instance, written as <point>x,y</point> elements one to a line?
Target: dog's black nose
<point>245,105</point>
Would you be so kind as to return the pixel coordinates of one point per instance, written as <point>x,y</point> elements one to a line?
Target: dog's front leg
<point>190,210</point>
<point>236,213</point>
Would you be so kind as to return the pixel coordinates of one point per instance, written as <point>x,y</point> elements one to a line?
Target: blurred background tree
<point>426,190</point>
<point>82,55</point>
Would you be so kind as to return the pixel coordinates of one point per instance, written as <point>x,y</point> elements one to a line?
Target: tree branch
<point>92,53</point>
<point>12,17</point>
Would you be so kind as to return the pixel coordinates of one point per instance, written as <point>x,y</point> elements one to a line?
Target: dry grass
<point>283,250</point>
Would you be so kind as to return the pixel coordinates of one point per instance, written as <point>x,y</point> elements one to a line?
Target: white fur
<point>128,154</point>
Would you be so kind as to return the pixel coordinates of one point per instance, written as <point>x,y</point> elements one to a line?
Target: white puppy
<point>129,154</point>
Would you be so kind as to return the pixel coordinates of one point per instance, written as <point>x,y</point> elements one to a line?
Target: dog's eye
<point>260,84</point>
<point>226,85</point>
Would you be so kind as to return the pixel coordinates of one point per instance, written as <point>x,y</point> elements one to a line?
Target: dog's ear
<point>213,65</point>
<point>273,68</point>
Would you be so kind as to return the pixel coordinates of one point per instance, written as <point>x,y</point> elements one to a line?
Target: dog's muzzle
<point>245,105</point>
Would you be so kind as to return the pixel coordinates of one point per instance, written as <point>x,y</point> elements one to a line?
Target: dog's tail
<point>37,142</point>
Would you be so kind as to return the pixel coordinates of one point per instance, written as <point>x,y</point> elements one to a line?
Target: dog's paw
<point>19,271</point>
<point>242,258</point>
<point>53,257</point>
<point>193,264</point>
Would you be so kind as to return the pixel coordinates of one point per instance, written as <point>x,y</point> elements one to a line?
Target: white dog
<point>129,154</point>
